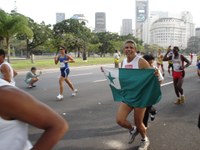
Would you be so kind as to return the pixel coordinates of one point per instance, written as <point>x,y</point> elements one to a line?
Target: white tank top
<point>13,133</point>
<point>177,63</point>
<point>12,73</point>
<point>131,65</point>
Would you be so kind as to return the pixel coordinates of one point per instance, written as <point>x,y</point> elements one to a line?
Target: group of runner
<point>132,61</point>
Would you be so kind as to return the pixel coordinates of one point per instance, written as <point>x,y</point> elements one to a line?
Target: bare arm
<point>28,109</point>
<point>56,59</point>
<point>5,70</point>
<point>143,64</point>
<point>187,62</point>
<point>70,59</point>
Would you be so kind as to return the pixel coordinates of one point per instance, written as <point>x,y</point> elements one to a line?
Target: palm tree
<point>11,25</point>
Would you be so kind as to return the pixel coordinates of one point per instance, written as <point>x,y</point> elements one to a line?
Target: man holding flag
<point>137,87</point>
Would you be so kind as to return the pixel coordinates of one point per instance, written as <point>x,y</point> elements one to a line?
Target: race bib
<point>62,64</point>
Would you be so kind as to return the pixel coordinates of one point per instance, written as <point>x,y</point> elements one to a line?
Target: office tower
<point>60,17</point>
<point>126,27</point>
<point>142,12</point>
<point>100,22</point>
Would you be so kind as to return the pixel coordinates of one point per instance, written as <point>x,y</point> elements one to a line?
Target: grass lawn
<point>20,65</point>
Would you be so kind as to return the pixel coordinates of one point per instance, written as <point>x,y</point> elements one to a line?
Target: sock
<point>145,139</point>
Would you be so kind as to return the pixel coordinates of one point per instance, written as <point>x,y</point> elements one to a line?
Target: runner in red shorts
<point>178,72</point>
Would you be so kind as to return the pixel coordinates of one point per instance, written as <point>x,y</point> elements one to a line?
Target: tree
<point>41,33</point>
<point>11,25</point>
<point>78,30</point>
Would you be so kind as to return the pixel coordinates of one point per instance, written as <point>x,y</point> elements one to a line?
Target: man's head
<point>33,69</point>
<point>130,48</point>
<point>175,50</point>
<point>150,59</point>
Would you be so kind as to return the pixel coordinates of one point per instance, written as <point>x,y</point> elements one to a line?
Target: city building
<point>142,13</point>
<point>80,18</point>
<point>60,17</point>
<point>154,15</point>
<point>100,22</point>
<point>197,32</point>
<point>171,31</point>
<point>126,27</point>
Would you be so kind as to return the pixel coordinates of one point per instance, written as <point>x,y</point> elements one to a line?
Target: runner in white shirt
<point>17,110</point>
<point>6,71</point>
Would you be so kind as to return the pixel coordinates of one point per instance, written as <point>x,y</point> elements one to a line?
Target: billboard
<point>141,10</point>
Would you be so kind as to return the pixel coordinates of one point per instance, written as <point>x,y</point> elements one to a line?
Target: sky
<point>116,10</point>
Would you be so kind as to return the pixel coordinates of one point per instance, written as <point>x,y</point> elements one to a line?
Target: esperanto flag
<point>135,87</point>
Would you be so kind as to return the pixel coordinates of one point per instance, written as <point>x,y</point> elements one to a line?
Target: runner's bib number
<point>62,64</point>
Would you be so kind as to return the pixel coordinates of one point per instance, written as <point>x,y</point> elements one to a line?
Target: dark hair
<point>61,46</point>
<point>149,57</point>
<point>2,52</point>
<point>33,68</point>
<point>176,48</point>
<point>116,51</point>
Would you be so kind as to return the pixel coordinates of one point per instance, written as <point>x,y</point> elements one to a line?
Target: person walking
<point>160,62</point>
<point>64,60</point>
<point>116,59</point>
<point>198,66</point>
<point>132,61</point>
<point>6,71</point>
<point>150,109</point>
<point>178,72</point>
<point>16,115</point>
<point>32,77</point>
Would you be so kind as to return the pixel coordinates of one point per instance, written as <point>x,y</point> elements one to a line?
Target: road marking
<point>167,83</point>
<point>115,144</point>
<point>102,80</point>
<point>83,74</point>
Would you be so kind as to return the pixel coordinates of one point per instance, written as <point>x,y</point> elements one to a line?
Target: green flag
<point>135,87</point>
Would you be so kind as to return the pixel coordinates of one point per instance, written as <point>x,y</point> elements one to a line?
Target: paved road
<point>91,114</point>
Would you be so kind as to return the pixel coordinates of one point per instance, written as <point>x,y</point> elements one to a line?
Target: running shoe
<point>133,133</point>
<point>60,97</point>
<point>75,92</point>
<point>182,99</point>
<point>144,144</point>
<point>178,101</point>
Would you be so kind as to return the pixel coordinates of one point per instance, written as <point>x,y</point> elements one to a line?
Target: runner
<point>17,110</point>
<point>116,58</point>
<point>64,59</point>
<point>6,71</point>
<point>160,62</point>
<point>198,65</point>
<point>150,109</point>
<point>178,72</point>
<point>170,64</point>
<point>133,62</point>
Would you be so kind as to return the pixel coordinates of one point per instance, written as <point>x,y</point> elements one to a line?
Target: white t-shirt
<point>12,72</point>
<point>13,133</point>
<point>131,65</point>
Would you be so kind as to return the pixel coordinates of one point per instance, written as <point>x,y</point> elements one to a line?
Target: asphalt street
<point>91,114</point>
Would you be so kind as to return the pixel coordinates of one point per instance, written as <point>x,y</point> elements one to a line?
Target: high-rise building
<point>60,17</point>
<point>142,13</point>
<point>197,32</point>
<point>100,22</point>
<point>171,31</point>
<point>126,27</point>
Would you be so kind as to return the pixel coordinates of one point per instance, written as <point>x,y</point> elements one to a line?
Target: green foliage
<point>12,24</point>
